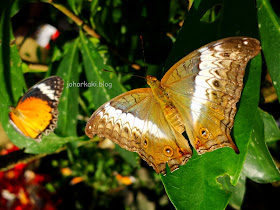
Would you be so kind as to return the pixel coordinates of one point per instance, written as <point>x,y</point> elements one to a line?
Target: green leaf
<point>269,27</point>
<point>104,85</point>
<point>238,192</point>
<point>194,185</point>
<point>49,144</point>
<point>11,80</point>
<point>259,165</point>
<point>271,130</point>
<point>68,103</point>
<point>75,6</point>
<point>94,64</point>
<point>193,29</point>
<point>12,87</point>
<point>17,5</point>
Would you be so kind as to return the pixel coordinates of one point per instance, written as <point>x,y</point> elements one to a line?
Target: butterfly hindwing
<point>36,113</point>
<point>135,121</point>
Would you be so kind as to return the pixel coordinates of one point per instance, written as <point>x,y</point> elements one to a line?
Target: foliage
<point>209,181</point>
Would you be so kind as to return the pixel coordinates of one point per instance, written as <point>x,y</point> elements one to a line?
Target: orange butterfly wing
<point>205,87</point>
<point>28,121</point>
<point>36,113</point>
<point>135,121</point>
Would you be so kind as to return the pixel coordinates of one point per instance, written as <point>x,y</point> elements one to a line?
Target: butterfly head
<point>152,81</point>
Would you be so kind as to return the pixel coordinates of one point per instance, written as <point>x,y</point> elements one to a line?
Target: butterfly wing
<point>36,113</point>
<point>205,87</point>
<point>135,121</point>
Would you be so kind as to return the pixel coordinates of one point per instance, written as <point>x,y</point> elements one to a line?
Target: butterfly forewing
<point>205,87</point>
<point>136,122</point>
<point>49,90</point>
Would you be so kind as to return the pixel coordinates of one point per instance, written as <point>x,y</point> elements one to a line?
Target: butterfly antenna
<point>132,75</point>
<point>143,53</point>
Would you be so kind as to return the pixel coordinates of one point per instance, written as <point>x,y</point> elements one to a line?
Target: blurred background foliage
<point>67,170</point>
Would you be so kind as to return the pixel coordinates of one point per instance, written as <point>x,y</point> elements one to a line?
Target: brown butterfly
<point>198,95</point>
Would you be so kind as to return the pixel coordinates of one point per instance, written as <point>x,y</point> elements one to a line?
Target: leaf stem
<point>75,18</point>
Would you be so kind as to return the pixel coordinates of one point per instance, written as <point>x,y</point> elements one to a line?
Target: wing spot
<point>146,143</point>
<point>182,152</point>
<point>216,83</point>
<point>136,137</point>
<point>102,122</point>
<point>168,151</point>
<point>197,143</point>
<point>125,130</point>
<point>226,55</point>
<point>204,133</point>
<point>214,94</point>
<point>217,73</point>
<point>116,130</point>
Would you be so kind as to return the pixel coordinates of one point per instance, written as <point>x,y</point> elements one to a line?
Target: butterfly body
<point>36,113</point>
<point>170,112</point>
<point>198,95</point>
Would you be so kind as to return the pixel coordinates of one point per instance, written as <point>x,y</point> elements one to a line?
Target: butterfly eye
<point>204,133</point>
<point>168,151</point>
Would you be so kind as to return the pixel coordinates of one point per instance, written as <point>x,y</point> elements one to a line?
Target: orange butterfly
<point>198,95</point>
<point>36,112</point>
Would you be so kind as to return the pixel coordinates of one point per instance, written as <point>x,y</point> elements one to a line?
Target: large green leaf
<point>68,103</point>
<point>195,185</point>
<point>104,85</point>
<point>269,27</point>
<point>259,165</point>
<point>12,83</point>
<point>50,144</point>
<point>101,93</point>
